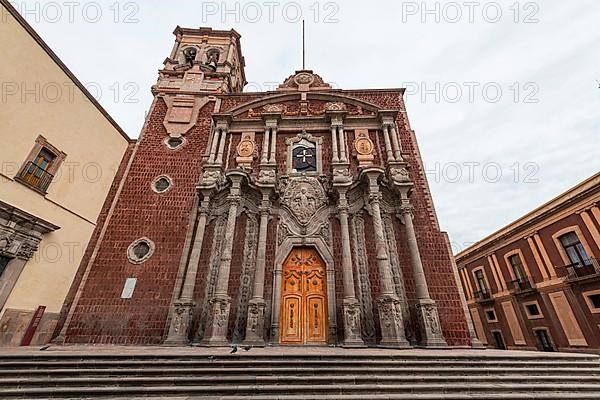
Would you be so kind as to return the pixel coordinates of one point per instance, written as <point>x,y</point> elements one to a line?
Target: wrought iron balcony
<point>484,295</point>
<point>577,271</point>
<point>36,177</point>
<point>521,286</point>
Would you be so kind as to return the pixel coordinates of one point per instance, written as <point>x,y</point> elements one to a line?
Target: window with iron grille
<point>41,166</point>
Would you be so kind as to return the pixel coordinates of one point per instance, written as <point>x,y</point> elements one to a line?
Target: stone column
<point>222,146</point>
<point>427,313</point>
<point>220,304</point>
<point>214,146</point>
<point>342,144</point>
<point>388,145</point>
<point>256,307</point>
<point>273,159</point>
<point>183,307</point>
<point>276,305</point>
<point>352,313</point>
<point>265,147</point>
<point>390,313</point>
<point>334,144</point>
<point>396,143</point>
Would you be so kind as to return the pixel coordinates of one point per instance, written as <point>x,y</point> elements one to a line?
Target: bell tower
<point>203,64</point>
<point>204,60</point>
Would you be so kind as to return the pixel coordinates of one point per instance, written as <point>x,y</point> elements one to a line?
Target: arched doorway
<point>304,298</point>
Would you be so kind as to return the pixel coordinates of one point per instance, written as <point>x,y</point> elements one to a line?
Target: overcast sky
<point>503,95</point>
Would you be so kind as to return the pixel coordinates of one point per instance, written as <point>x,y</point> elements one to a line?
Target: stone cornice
<point>25,220</point>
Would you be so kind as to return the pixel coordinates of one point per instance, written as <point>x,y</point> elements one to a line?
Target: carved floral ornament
<point>304,197</point>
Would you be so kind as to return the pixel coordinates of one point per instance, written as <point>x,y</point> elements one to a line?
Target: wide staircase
<point>279,374</point>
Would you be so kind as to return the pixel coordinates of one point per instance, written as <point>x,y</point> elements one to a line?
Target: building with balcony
<point>535,284</point>
<point>59,157</point>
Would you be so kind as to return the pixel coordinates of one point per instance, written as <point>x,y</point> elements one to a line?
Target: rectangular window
<point>3,264</point>
<point>491,315</point>
<point>37,171</point>
<point>595,300</point>
<point>517,267</point>
<point>499,340</point>
<point>544,340</point>
<point>41,165</point>
<point>481,281</point>
<point>574,249</point>
<point>533,310</point>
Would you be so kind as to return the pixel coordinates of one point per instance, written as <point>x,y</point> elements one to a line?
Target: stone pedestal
<point>216,333</point>
<point>352,324</point>
<point>180,323</point>
<point>392,324</point>
<point>255,332</point>
<point>429,324</point>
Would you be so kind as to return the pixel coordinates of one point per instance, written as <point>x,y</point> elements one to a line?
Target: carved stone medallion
<point>364,147</point>
<point>304,197</point>
<point>246,150</point>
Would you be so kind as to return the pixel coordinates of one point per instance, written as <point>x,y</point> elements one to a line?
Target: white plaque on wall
<point>129,288</point>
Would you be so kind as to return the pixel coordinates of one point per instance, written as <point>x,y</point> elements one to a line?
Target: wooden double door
<point>303,318</point>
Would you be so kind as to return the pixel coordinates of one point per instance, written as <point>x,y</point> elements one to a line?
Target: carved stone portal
<point>304,197</point>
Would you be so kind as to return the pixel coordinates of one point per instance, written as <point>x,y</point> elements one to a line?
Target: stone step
<point>304,371</point>
<point>215,363</point>
<point>16,383</point>
<point>242,355</point>
<point>456,396</point>
<point>304,390</point>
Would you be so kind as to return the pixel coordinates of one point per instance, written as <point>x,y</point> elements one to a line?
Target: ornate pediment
<point>304,81</point>
<point>303,197</point>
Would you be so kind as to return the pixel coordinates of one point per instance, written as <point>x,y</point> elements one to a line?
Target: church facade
<point>300,216</point>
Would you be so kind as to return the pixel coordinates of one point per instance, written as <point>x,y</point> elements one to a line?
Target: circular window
<point>173,143</point>
<point>140,250</point>
<point>162,184</point>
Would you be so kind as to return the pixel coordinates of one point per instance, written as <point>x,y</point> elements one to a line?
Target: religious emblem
<point>304,197</point>
<point>364,147</point>
<point>304,157</point>
<point>245,150</point>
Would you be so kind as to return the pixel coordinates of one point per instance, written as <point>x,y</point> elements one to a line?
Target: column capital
<point>407,210</point>
<point>222,120</point>
<point>212,177</point>
<point>388,117</point>
<point>371,177</point>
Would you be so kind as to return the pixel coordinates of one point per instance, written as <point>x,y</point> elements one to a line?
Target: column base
<point>255,326</point>
<point>476,344</point>
<point>429,324</point>
<point>181,320</point>
<point>392,323</point>
<point>216,334</point>
<point>352,324</point>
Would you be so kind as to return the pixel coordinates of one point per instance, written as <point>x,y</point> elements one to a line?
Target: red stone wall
<point>101,316</point>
